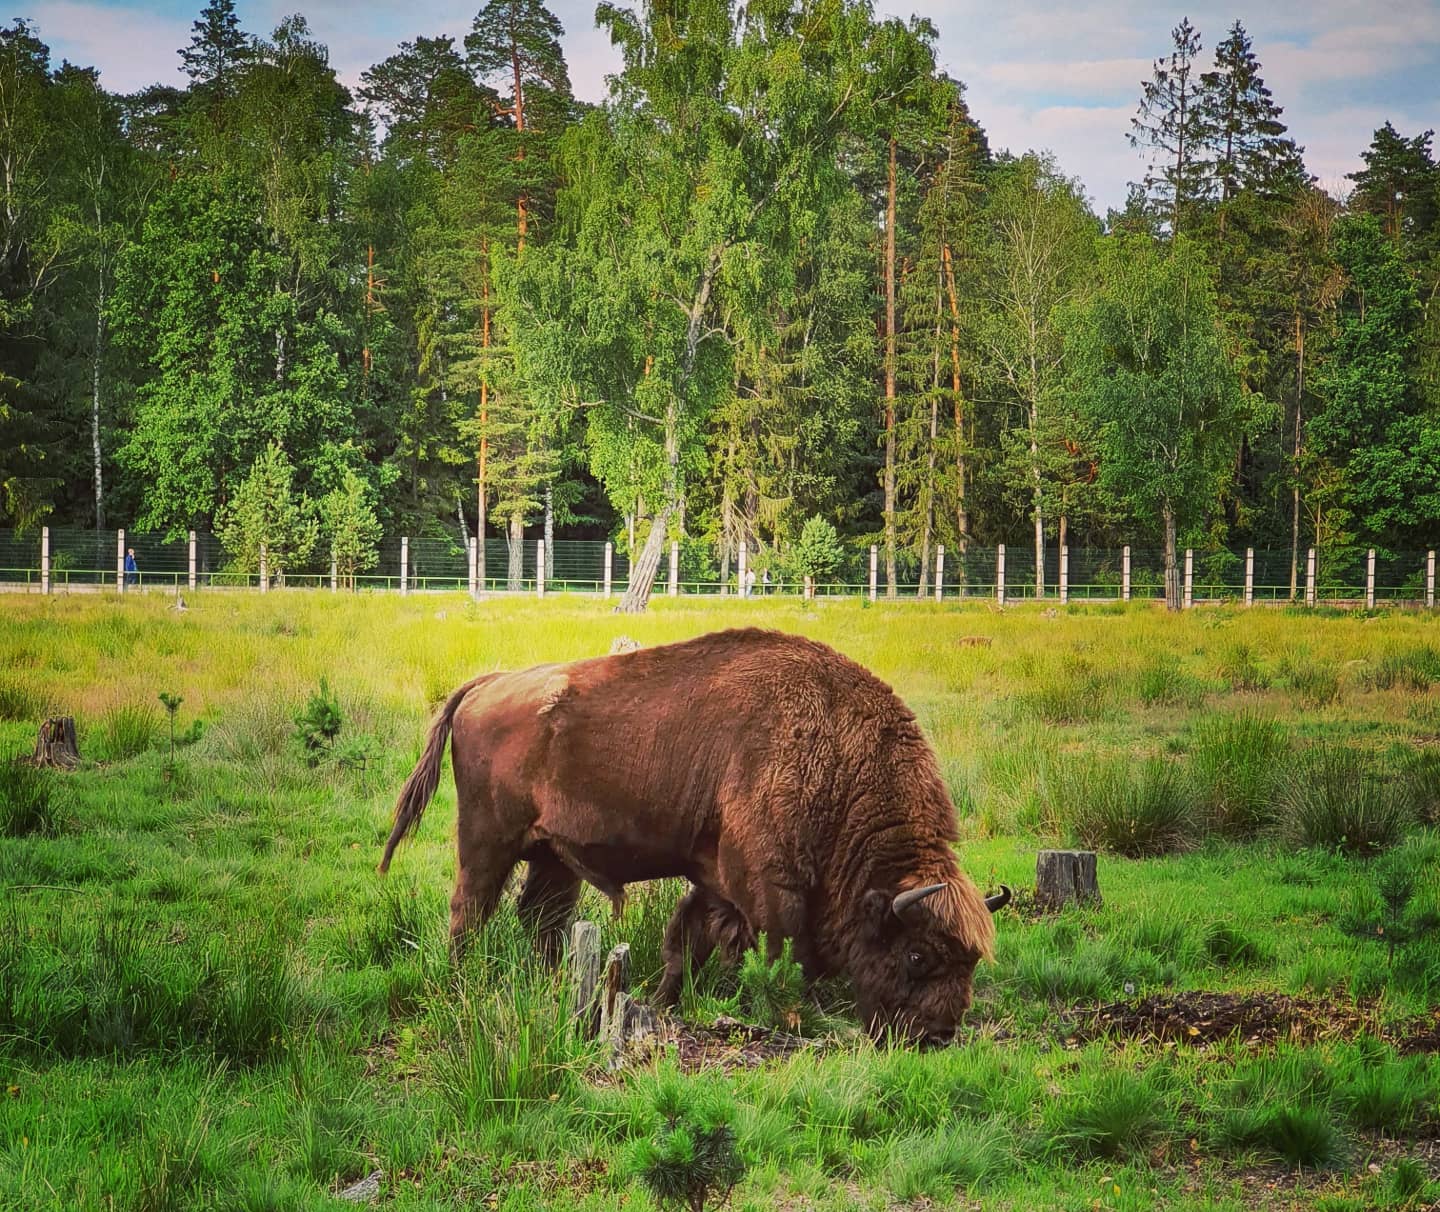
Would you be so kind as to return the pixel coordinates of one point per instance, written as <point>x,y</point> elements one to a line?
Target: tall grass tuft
<point>1241,668</point>
<point>1162,683</point>
<point>251,999</point>
<point>1071,692</point>
<point>1412,669</point>
<point>933,1165</point>
<point>1112,1114</point>
<point>27,800</point>
<point>1330,798</point>
<point>126,730</point>
<point>1236,763</point>
<point>1316,682</point>
<point>1301,1134</point>
<point>19,702</point>
<point>511,1043</point>
<point>1132,809</point>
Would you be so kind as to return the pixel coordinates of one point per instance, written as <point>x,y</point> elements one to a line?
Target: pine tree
<point>1401,183</point>
<point>218,50</point>
<point>1171,124</point>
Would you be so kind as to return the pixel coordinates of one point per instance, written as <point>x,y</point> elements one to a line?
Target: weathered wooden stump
<point>55,746</point>
<point>585,975</point>
<point>603,1003</point>
<point>1063,876</point>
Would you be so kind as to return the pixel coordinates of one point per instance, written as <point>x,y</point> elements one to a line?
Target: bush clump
<point>1132,809</point>
<point>692,1161</point>
<point>1236,763</point>
<point>1330,798</point>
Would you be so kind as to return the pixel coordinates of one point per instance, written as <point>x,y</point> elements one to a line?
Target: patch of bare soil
<point>1200,1018</point>
<point>731,1044</point>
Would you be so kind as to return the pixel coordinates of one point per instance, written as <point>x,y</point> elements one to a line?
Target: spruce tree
<point>218,49</point>
<point>1170,123</point>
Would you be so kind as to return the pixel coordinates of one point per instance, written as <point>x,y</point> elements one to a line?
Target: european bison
<point>790,786</point>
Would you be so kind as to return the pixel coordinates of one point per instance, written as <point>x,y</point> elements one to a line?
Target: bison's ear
<point>876,908</point>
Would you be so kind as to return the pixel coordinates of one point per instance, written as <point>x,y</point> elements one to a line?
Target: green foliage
<point>1299,1135</point>
<point>1113,1115</point>
<point>265,515</point>
<point>1330,797</point>
<point>349,524</point>
<point>1237,762</point>
<point>317,726</point>
<point>27,800</point>
<point>124,731</point>
<point>1131,808</point>
<point>772,992</point>
<point>1242,670</point>
<point>818,553</point>
<point>692,1161</point>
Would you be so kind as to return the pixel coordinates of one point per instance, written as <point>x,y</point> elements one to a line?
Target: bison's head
<point>915,957</point>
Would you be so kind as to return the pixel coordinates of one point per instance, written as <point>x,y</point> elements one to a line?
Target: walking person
<point>132,571</point>
<point>748,589</point>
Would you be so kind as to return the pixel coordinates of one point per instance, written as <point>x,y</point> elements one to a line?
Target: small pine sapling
<point>691,1162</point>
<point>772,994</point>
<point>319,724</point>
<point>171,703</point>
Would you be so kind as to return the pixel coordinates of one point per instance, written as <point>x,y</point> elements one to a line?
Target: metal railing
<point>71,560</point>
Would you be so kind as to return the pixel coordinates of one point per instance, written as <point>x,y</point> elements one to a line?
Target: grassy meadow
<point>208,999</point>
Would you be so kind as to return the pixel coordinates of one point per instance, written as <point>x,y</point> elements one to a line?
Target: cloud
<point>1080,78</point>
<point>131,46</point>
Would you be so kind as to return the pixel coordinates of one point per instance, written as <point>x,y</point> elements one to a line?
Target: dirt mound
<point>731,1044</point>
<point>1201,1018</point>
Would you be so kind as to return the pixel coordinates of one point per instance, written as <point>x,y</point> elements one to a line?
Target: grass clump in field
<point>1114,1114</point>
<point>1130,808</point>
<point>27,800</point>
<point>1331,798</point>
<point>1241,670</point>
<point>1163,682</point>
<point>1317,683</point>
<point>125,730</point>
<point>1237,762</point>
<point>1410,669</point>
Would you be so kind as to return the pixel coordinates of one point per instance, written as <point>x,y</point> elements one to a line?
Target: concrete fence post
<point>539,568</point>
<point>473,569</point>
<point>741,566</point>
<point>1370,579</point>
<point>1430,579</point>
<point>1189,578</point>
<point>1310,577</point>
<point>44,559</point>
<point>1249,576</point>
<point>874,570</point>
<point>674,589</point>
<point>609,558</point>
<point>120,561</point>
<point>1000,574</point>
<point>404,567</point>
<point>334,573</point>
<point>264,569</point>
<point>1064,575</point>
<point>939,571</point>
<point>1125,575</point>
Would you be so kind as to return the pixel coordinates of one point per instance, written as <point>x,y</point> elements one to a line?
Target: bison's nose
<point>939,1037</point>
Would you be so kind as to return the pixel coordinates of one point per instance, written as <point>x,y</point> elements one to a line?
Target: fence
<point>71,560</point>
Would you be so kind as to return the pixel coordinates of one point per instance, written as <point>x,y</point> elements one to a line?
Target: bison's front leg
<point>547,900</point>
<point>701,922</point>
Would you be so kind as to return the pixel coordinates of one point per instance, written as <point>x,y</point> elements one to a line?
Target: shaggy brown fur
<point>790,786</point>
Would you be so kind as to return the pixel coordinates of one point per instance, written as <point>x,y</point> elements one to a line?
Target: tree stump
<point>1063,876</point>
<point>585,974</point>
<point>626,1025</point>
<point>56,745</point>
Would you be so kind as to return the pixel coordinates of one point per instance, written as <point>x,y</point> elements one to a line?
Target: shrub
<point>1131,809</point>
<point>772,994</point>
<point>126,730</point>
<point>319,724</point>
<point>692,1160</point>
<point>1242,670</point>
<point>1330,798</point>
<point>819,552</point>
<point>26,799</point>
<point>1236,763</point>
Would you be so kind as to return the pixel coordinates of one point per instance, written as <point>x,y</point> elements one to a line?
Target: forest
<point>780,274</point>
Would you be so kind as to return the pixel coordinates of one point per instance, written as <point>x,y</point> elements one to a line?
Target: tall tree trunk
<point>549,532</point>
<point>522,219</point>
<point>642,572</point>
<point>890,188</point>
<point>1172,566</point>
<point>1038,508</point>
<point>483,457</point>
<point>95,359</point>
<point>463,524</point>
<point>962,517</point>
<point>1064,536</point>
<point>1295,466</point>
<point>515,574</point>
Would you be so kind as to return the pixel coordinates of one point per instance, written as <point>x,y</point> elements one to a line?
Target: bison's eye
<point>916,963</point>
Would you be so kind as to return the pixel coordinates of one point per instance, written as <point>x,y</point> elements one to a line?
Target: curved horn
<point>999,900</point>
<point>906,900</point>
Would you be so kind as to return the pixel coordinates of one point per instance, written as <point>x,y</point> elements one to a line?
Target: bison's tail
<point>423,780</point>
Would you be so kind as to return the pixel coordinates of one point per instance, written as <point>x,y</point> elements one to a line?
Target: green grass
<point>209,1000</point>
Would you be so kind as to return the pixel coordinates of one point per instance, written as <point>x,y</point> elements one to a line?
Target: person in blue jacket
<point>132,573</point>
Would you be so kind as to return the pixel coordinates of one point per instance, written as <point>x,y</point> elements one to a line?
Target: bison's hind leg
<point>548,899</point>
<point>701,922</point>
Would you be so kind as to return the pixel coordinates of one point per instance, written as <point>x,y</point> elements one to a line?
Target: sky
<point>1043,76</point>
